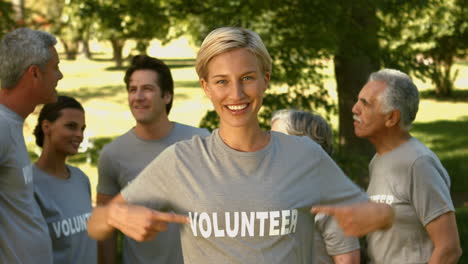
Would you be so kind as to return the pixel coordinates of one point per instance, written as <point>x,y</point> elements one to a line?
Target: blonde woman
<point>230,189</point>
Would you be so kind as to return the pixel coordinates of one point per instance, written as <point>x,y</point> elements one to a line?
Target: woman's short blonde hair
<point>225,39</point>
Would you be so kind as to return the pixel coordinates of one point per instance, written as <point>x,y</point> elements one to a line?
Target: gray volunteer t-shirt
<point>329,240</point>
<point>119,163</point>
<point>413,181</point>
<point>24,237</point>
<point>244,207</point>
<point>66,206</point>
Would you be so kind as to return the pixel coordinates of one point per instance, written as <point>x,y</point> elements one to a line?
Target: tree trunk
<point>117,47</point>
<point>18,6</point>
<point>71,49</point>
<point>356,58</point>
<point>86,49</point>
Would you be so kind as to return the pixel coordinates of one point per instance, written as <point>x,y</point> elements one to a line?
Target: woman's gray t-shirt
<point>244,207</point>
<point>66,206</point>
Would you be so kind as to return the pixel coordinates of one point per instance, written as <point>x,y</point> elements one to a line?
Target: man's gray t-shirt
<point>244,207</point>
<point>413,181</point>
<point>66,206</point>
<point>119,163</point>
<point>24,237</point>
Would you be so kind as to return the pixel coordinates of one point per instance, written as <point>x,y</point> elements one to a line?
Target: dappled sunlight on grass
<point>449,140</point>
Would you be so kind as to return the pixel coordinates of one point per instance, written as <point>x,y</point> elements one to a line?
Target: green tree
<point>297,49</point>
<point>448,35</point>
<point>75,26</point>
<point>425,38</point>
<point>7,22</point>
<point>127,19</point>
<point>359,36</point>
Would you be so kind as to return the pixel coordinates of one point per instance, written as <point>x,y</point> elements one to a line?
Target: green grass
<point>457,96</point>
<point>462,222</point>
<point>449,140</point>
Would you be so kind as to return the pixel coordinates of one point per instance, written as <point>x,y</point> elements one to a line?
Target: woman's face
<point>65,134</point>
<point>235,85</point>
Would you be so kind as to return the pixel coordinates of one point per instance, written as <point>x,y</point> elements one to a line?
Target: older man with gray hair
<point>405,174</point>
<point>29,73</point>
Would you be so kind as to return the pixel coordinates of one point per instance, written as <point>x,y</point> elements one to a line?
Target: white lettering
<point>242,224</point>
<point>65,228</point>
<point>389,199</point>
<point>217,231</point>
<point>262,216</point>
<point>204,218</point>
<point>292,227</point>
<point>274,223</point>
<point>382,198</point>
<point>193,222</point>
<point>70,226</point>
<point>247,224</point>
<point>232,232</point>
<point>285,222</point>
<point>56,227</point>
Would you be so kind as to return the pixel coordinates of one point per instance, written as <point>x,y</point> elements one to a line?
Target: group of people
<point>238,195</point>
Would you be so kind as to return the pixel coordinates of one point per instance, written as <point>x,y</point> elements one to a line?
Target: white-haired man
<point>406,175</point>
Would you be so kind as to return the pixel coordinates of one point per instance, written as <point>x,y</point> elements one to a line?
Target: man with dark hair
<point>29,74</point>
<point>405,174</point>
<point>150,91</point>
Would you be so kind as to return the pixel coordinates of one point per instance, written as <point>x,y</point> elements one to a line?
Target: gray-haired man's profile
<point>29,73</point>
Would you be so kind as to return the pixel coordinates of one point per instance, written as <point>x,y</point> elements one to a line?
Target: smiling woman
<point>247,192</point>
<point>63,191</point>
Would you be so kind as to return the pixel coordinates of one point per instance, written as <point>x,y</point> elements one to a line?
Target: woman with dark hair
<point>62,191</point>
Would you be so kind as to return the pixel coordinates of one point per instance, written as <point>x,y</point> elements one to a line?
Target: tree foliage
<point>127,19</point>
<point>425,37</point>
<point>7,21</point>
<point>421,37</point>
<point>296,44</point>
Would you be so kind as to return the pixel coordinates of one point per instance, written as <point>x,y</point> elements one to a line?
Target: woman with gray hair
<point>331,245</point>
<point>301,123</point>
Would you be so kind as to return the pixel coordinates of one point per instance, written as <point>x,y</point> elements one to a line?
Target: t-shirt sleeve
<point>429,191</point>
<point>107,175</point>
<point>335,187</point>
<point>151,187</point>
<point>336,242</point>
<point>84,178</point>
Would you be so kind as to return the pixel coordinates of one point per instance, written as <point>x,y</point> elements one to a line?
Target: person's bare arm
<point>137,222</point>
<point>352,257</point>
<point>361,218</point>
<point>444,234</point>
<point>107,249</point>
